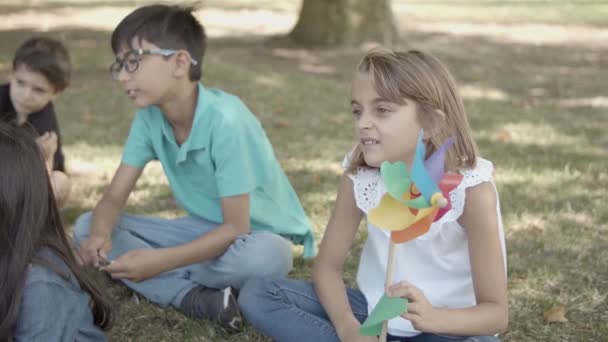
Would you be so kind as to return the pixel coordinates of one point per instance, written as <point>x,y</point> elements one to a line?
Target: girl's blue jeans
<point>290,311</point>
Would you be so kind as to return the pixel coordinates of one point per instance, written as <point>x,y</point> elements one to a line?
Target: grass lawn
<point>537,100</point>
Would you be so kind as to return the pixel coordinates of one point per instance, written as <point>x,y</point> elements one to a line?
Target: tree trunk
<point>344,22</point>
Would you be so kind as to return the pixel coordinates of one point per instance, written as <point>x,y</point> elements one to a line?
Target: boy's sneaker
<point>216,305</point>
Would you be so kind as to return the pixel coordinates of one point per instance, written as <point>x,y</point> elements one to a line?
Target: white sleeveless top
<point>436,262</point>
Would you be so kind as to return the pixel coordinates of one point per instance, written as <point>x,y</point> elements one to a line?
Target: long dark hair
<point>29,221</point>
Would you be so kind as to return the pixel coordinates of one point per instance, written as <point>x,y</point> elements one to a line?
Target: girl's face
<point>385,131</point>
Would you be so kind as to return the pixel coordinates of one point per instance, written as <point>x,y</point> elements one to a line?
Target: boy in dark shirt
<point>41,71</point>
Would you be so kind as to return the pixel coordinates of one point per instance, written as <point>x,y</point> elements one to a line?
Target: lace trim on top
<point>369,188</point>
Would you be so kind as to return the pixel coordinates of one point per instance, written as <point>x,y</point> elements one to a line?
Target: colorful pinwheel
<point>408,208</point>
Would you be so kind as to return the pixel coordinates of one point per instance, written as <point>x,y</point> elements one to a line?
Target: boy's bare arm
<point>142,264</point>
<point>235,210</point>
<point>61,187</point>
<point>107,212</point>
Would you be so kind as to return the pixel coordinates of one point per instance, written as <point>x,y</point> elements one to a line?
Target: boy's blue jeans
<point>257,254</point>
<point>289,311</point>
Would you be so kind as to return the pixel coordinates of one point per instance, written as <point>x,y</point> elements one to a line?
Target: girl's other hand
<point>355,336</point>
<point>351,332</point>
<point>420,312</point>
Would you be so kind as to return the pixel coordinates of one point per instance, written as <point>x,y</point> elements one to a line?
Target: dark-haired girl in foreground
<point>44,295</point>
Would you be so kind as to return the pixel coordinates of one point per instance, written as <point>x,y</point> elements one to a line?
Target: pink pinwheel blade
<point>449,182</point>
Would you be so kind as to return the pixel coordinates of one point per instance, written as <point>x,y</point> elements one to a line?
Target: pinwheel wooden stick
<point>441,202</point>
<point>387,283</point>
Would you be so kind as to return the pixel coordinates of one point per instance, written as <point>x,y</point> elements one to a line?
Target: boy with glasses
<point>220,166</point>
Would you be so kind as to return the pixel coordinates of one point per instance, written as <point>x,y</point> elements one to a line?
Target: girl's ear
<point>434,121</point>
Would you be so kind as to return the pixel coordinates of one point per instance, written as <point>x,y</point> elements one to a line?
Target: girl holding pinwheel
<point>433,267</point>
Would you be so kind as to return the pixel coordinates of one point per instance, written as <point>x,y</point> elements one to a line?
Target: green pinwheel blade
<point>386,309</point>
<point>396,179</point>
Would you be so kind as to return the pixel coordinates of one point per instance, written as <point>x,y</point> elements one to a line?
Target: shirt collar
<point>199,135</point>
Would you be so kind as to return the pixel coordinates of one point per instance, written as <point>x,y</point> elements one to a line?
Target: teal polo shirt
<point>227,153</point>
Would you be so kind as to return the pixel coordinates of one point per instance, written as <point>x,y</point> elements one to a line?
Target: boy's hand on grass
<point>136,265</point>
<point>93,247</point>
<point>420,312</point>
<point>48,144</point>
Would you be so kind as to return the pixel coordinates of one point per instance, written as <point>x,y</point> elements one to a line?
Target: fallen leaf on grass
<point>504,135</point>
<point>337,119</point>
<point>557,314</point>
<point>281,123</point>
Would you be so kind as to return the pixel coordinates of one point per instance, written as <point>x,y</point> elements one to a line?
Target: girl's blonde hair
<point>421,77</point>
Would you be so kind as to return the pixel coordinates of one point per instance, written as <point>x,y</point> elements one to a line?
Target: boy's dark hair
<point>168,27</point>
<point>48,57</point>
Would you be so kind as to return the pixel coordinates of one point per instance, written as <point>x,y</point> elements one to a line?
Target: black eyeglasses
<point>131,59</point>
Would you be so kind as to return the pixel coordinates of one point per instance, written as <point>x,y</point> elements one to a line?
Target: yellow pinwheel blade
<point>392,215</point>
